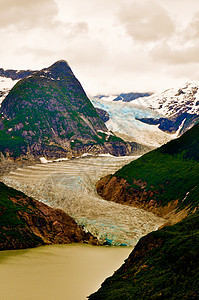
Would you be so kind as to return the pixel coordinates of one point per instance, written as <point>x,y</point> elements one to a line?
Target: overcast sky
<point>111,45</point>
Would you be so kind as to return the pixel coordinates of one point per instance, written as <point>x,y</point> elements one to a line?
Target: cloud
<point>183,48</point>
<point>192,30</point>
<point>27,13</point>
<point>146,21</point>
<point>182,55</point>
<point>73,30</point>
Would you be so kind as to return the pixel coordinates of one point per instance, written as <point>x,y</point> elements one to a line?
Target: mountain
<point>177,109</point>
<point>48,114</point>
<point>125,97</point>
<point>15,74</point>
<point>8,78</point>
<point>26,223</point>
<point>163,265</point>
<point>161,180</point>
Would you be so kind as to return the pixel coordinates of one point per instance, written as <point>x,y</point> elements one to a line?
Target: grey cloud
<point>76,29</point>
<point>27,13</point>
<point>146,21</point>
<point>183,49</point>
<point>192,30</point>
<point>183,55</point>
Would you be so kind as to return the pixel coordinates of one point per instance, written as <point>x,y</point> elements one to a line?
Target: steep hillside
<point>160,180</point>
<point>26,223</point>
<point>163,265</point>
<point>48,114</point>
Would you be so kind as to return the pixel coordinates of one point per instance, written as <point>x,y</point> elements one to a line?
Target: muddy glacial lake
<point>62,272</point>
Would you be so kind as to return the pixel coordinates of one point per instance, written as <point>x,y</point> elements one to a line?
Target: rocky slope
<point>163,265</point>
<point>26,223</point>
<point>48,114</point>
<point>160,180</point>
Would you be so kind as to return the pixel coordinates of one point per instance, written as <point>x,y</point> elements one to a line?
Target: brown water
<point>59,272</point>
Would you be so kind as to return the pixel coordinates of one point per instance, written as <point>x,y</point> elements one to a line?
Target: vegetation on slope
<point>46,112</point>
<point>25,223</point>
<point>163,265</point>
<point>14,232</point>
<point>164,175</point>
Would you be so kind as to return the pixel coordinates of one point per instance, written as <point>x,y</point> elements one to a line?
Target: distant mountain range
<point>125,97</point>
<point>47,113</point>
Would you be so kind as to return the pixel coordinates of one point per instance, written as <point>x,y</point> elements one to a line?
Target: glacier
<point>70,186</point>
<point>123,122</point>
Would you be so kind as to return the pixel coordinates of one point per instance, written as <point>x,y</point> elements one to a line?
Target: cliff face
<point>163,265</point>
<point>26,223</point>
<point>48,114</point>
<point>113,188</point>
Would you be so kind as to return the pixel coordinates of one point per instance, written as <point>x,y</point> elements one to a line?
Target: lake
<point>62,272</point>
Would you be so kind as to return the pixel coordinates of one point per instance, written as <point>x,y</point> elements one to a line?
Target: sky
<point>112,46</point>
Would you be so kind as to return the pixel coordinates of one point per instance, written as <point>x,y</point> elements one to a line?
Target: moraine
<point>70,185</point>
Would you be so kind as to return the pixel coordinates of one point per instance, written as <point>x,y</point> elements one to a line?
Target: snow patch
<point>172,102</point>
<point>105,132</point>
<point>107,155</point>
<point>45,161</point>
<point>86,154</point>
<point>109,98</point>
<point>6,84</point>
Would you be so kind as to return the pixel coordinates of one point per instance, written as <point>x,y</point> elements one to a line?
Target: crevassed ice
<point>70,185</point>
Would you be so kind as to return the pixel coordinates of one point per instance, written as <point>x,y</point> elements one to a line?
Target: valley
<point>125,124</point>
<point>70,185</point>
<point>111,171</point>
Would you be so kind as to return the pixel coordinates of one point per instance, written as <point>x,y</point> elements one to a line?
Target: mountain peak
<point>60,68</point>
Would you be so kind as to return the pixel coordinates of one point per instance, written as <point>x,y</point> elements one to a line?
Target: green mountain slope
<point>167,176</point>
<point>49,114</point>
<point>163,265</point>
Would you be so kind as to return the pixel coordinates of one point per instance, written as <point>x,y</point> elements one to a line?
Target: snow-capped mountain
<point>173,102</point>
<point>173,112</point>
<point>125,97</point>
<point>5,86</point>
<point>179,108</point>
<point>8,78</point>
